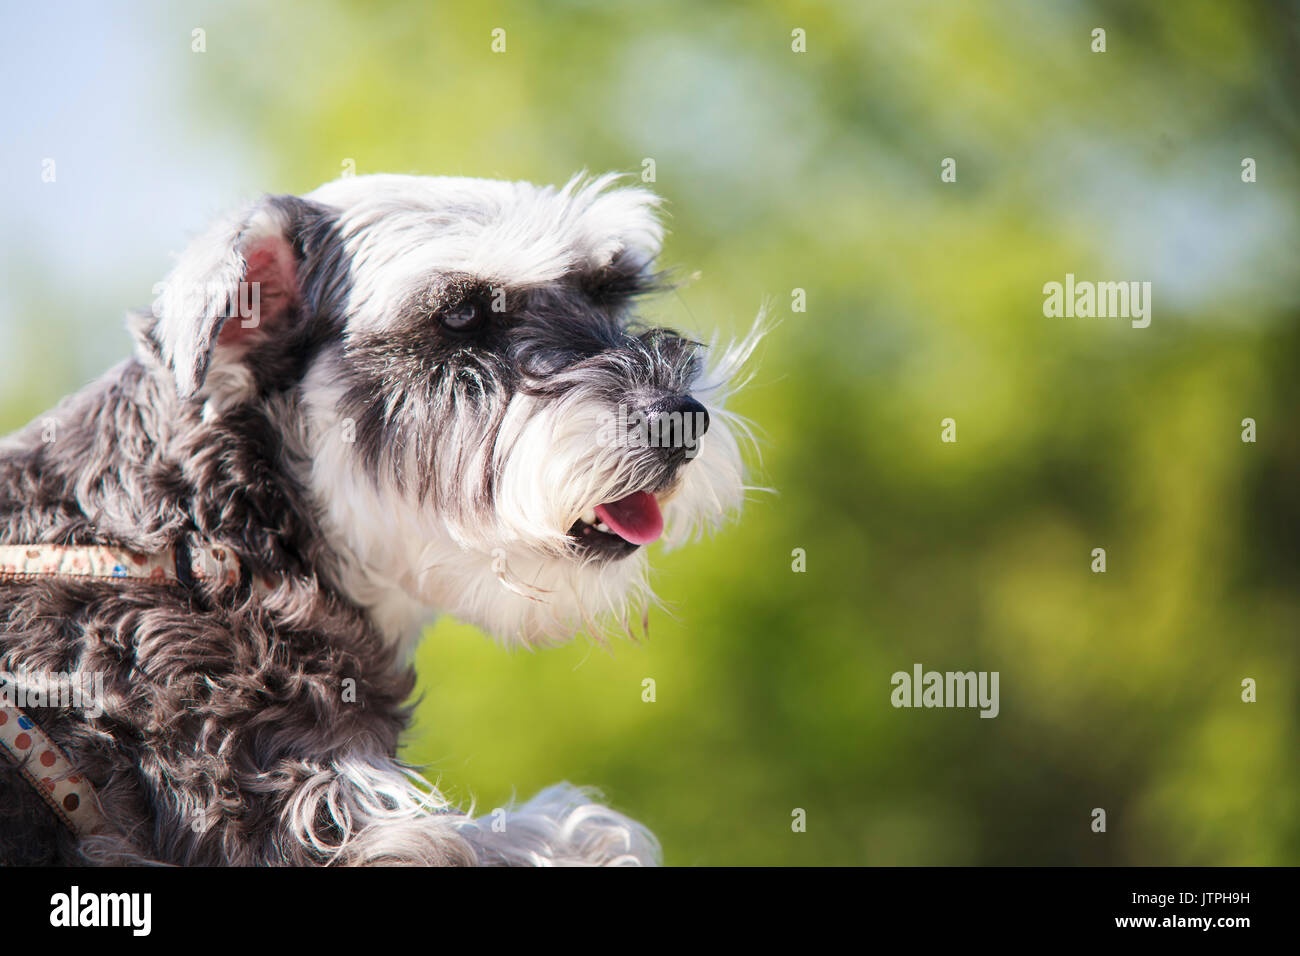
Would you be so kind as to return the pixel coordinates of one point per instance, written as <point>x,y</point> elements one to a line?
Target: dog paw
<point>565,826</point>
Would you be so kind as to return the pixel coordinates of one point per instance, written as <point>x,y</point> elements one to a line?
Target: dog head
<point>490,431</point>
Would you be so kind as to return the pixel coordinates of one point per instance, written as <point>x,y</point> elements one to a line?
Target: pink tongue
<point>635,519</point>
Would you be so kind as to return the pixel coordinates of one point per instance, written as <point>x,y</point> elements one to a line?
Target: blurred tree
<point>821,170</point>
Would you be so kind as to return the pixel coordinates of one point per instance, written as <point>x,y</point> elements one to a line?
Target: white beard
<point>514,573</point>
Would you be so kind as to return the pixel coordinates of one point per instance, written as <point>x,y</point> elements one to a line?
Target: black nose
<point>676,424</point>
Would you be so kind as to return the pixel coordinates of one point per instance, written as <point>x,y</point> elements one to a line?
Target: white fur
<point>202,283</point>
<point>502,232</point>
<point>382,813</point>
<point>513,576</point>
<point>514,572</point>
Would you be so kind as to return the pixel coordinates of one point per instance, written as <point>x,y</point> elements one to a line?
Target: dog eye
<point>462,317</point>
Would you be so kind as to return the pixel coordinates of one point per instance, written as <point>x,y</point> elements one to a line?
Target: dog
<point>348,412</point>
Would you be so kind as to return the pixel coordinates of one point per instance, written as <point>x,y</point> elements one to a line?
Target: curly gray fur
<point>255,728</point>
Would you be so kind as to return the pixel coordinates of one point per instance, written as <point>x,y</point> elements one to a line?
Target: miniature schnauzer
<point>392,398</point>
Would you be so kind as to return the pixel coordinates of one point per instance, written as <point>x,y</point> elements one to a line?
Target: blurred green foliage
<point>820,171</point>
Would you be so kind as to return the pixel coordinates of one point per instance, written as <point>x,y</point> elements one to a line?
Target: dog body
<point>386,400</point>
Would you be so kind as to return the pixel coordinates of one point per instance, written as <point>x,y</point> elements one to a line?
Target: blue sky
<point>113,95</point>
<point>106,91</point>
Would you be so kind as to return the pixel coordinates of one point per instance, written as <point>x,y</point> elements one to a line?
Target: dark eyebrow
<point>624,277</point>
<point>448,290</point>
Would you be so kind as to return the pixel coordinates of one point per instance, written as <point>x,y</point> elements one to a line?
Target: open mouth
<point>617,528</point>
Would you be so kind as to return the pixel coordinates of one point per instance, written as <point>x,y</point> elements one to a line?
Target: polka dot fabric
<point>44,765</point>
<point>49,771</point>
<point>209,564</point>
<point>60,561</point>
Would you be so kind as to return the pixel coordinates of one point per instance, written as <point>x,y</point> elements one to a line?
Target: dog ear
<point>232,287</point>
